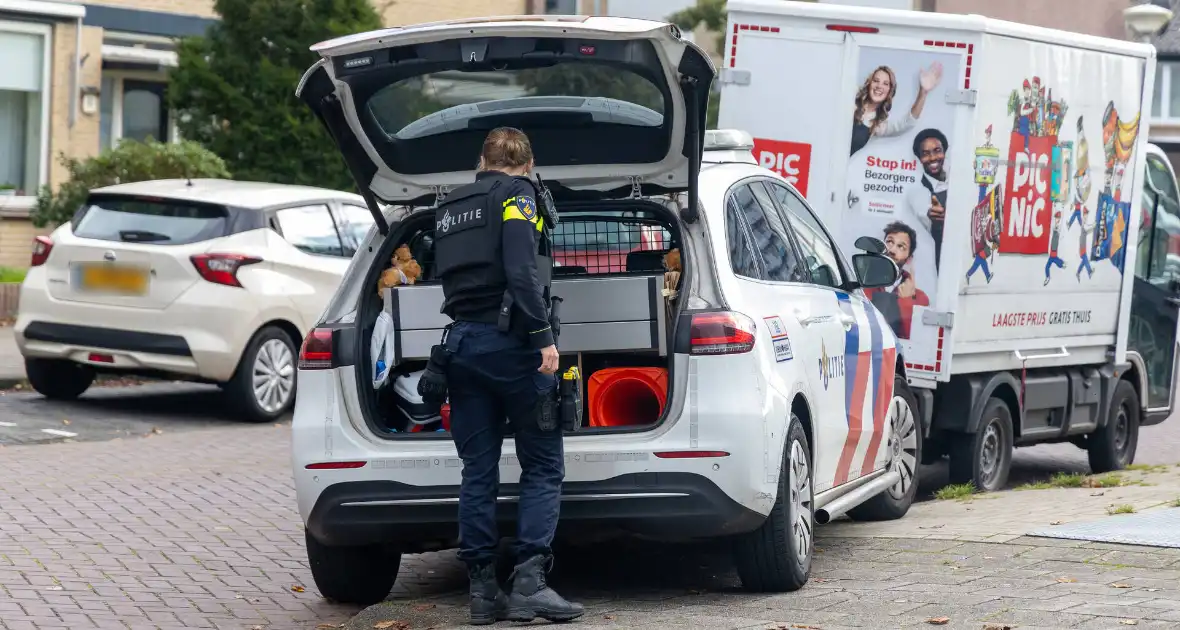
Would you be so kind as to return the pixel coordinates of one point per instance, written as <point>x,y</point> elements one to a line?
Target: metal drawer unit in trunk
<point>598,315</point>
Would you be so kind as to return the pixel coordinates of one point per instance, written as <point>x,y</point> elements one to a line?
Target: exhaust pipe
<point>840,505</point>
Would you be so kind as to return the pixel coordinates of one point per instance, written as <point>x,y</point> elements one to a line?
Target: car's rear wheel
<point>352,575</point>
<point>57,379</point>
<point>905,451</point>
<point>263,387</point>
<point>776,557</point>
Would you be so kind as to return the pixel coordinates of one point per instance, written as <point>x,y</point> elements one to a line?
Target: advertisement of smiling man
<point>897,179</point>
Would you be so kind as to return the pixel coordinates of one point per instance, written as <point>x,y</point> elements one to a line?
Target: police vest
<point>468,252</point>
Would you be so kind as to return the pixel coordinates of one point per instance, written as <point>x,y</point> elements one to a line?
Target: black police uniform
<point>488,239</point>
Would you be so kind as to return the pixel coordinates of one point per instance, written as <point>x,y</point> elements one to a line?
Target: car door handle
<point>806,320</point>
<point>846,320</point>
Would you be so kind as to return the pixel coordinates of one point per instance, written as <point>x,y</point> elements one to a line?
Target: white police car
<point>760,396</point>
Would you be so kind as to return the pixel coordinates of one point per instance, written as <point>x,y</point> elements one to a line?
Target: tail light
<point>316,353</point>
<point>222,268</point>
<point>724,332</point>
<point>42,245</point>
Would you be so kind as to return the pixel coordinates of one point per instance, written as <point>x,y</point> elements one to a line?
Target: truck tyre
<point>263,387</point>
<point>983,459</point>
<point>776,557</point>
<point>57,379</point>
<point>352,575</point>
<point>1113,446</point>
<point>905,451</point>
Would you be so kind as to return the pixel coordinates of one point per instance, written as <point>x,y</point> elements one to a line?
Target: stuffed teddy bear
<point>405,270</point>
<point>671,273</point>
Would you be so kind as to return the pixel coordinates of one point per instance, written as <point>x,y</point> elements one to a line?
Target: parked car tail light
<point>316,353</point>
<point>222,268</point>
<point>724,332</point>
<point>42,245</point>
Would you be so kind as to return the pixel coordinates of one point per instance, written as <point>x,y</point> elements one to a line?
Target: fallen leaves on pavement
<point>938,621</point>
<point>996,626</point>
<point>1066,580</point>
<point>422,607</point>
<point>1129,622</point>
<point>393,624</point>
<point>297,588</point>
<point>1117,585</point>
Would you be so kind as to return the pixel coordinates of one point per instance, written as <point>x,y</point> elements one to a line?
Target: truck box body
<point>1041,168</point>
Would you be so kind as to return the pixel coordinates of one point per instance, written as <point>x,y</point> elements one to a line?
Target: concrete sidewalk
<point>12,366</point>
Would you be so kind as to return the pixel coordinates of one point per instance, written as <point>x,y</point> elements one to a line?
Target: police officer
<point>487,239</point>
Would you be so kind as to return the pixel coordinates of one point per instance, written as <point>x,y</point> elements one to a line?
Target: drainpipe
<point>75,71</point>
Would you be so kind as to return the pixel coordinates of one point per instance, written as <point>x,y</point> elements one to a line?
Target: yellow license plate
<point>114,279</point>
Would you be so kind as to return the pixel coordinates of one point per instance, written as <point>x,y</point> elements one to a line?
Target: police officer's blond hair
<point>506,147</point>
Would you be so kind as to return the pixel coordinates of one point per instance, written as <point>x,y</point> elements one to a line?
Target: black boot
<point>532,598</point>
<point>488,603</point>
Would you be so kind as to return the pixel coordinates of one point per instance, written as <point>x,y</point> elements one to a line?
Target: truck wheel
<point>776,557</point>
<point>352,575</point>
<point>57,379</point>
<point>983,459</point>
<point>905,451</point>
<point>1113,446</point>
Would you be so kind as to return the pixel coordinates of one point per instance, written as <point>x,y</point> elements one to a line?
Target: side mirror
<point>874,270</point>
<point>870,245</point>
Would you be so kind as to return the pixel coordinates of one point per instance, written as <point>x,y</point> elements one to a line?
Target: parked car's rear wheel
<point>776,557</point>
<point>905,451</point>
<point>263,387</point>
<point>1113,446</point>
<point>352,575</point>
<point>58,379</point>
<point>984,458</point>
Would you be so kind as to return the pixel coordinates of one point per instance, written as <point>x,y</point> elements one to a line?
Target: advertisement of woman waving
<point>897,179</point>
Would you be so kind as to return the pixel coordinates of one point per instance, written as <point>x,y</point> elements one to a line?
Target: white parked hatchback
<point>765,395</point>
<point>209,280</point>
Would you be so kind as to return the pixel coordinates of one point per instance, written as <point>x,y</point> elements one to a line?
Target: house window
<point>23,107</point>
<point>561,7</point>
<point>1165,98</point>
<point>133,105</point>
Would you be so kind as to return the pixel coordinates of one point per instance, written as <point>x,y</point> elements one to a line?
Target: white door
<point>804,331</point>
<point>309,259</point>
<point>795,76</point>
<point>860,381</point>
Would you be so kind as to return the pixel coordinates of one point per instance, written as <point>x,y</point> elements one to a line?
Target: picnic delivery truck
<point>1002,167</point>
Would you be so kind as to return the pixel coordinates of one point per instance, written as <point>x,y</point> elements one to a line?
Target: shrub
<point>130,161</point>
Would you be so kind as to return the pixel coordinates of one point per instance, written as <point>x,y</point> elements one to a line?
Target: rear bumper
<point>665,506</point>
<point>201,335</point>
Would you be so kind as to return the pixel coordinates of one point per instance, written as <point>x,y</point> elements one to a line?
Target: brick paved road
<point>195,527</point>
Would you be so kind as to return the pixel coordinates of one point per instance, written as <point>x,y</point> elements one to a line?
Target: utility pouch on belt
<point>547,413</point>
<point>504,319</point>
<point>570,395</point>
<point>432,387</point>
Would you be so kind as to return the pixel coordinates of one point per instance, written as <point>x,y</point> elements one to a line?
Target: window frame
<point>342,225</point>
<point>1164,67</point>
<point>1152,275</point>
<point>784,212</point>
<point>277,226</point>
<point>759,261</point>
<point>45,32</point>
<point>119,79</point>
